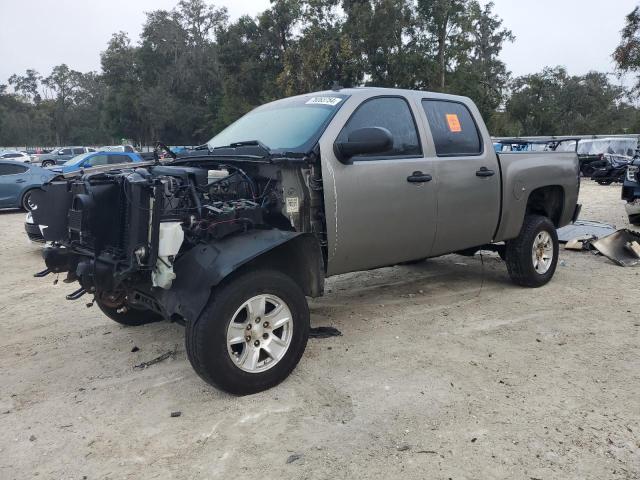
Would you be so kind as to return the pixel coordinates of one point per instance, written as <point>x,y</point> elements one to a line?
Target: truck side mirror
<point>363,141</point>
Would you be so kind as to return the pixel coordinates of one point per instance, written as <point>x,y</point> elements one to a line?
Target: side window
<point>453,129</point>
<point>392,113</point>
<point>91,149</point>
<point>78,151</point>
<point>114,159</point>
<point>65,151</point>
<point>128,148</point>
<point>10,169</point>
<point>11,155</point>
<point>97,160</point>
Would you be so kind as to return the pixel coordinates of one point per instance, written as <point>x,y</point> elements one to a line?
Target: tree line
<point>194,71</point>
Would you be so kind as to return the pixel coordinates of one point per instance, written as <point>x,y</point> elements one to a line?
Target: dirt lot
<point>444,370</point>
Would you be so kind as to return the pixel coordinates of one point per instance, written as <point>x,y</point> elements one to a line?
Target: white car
<point>15,155</point>
<point>118,148</point>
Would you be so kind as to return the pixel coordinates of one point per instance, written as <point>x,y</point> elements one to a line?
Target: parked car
<point>60,155</point>
<point>596,153</point>
<point>33,230</point>
<point>94,159</point>
<point>118,148</point>
<point>18,180</point>
<point>317,185</point>
<point>631,191</point>
<point>15,155</point>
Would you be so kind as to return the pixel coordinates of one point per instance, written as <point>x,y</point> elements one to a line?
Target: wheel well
<point>25,193</point>
<point>300,258</point>
<point>547,201</point>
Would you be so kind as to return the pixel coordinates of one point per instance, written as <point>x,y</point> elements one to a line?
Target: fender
<point>205,266</point>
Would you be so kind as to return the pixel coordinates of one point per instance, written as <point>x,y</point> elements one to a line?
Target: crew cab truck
<point>231,238</point>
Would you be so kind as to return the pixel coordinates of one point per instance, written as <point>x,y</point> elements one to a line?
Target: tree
<point>627,55</point>
<point>480,74</point>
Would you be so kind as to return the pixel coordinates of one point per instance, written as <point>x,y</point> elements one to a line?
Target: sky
<point>39,34</point>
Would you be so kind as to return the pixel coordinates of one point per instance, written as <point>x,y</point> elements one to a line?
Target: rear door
<point>468,177</point>
<point>376,215</point>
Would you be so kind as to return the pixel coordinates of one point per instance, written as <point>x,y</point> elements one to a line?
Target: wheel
<point>634,220</point>
<point>131,317</point>
<point>48,163</point>
<point>532,257</point>
<point>26,202</point>
<point>252,333</point>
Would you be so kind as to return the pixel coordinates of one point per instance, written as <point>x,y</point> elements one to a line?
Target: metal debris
<point>161,358</point>
<point>618,247</point>
<point>584,230</point>
<point>294,457</point>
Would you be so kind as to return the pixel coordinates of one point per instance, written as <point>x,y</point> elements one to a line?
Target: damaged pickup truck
<point>230,239</point>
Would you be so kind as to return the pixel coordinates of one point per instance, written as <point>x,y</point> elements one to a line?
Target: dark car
<point>17,182</point>
<point>60,155</point>
<point>631,191</point>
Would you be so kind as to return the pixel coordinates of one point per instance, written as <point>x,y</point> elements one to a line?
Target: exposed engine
<point>112,230</point>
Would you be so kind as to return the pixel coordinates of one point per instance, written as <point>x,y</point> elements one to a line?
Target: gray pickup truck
<point>230,239</point>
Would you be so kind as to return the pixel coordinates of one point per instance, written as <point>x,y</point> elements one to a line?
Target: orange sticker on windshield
<point>454,122</point>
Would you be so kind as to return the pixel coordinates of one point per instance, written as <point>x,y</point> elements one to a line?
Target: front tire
<point>532,257</point>
<point>48,163</point>
<point>26,203</point>
<point>252,333</point>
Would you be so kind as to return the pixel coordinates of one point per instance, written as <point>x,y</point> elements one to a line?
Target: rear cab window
<point>453,128</point>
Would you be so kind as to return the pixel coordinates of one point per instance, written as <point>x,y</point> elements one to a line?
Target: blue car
<point>17,182</point>
<point>95,159</point>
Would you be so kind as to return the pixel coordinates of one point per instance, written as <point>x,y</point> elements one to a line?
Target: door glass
<point>97,160</point>
<point>453,129</point>
<point>78,151</point>
<point>114,159</point>
<point>392,113</point>
<point>65,151</point>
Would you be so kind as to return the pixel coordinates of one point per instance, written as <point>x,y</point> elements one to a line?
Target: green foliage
<point>193,72</point>
<point>627,55</point>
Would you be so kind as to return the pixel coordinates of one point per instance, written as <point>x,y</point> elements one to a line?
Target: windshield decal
<point>333,101</point>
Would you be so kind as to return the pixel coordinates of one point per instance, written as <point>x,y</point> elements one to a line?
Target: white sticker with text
<point>333,101</point>
<point>293,205</point>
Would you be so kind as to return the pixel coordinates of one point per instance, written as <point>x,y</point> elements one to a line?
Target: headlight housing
<point>632,172</point>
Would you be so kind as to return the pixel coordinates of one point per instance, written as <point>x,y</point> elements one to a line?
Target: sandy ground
<point>445,370</point>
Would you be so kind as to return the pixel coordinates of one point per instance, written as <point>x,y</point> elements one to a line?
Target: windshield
<point>292,124</point>
<point>77,159</point>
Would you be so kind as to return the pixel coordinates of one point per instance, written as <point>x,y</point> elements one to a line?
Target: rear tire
<point>232,330</point>
<point>132,317</point>
<point>48,163</point>
<point>526,255</point>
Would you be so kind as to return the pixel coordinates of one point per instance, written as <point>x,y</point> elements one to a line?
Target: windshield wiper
<point>246,143</point>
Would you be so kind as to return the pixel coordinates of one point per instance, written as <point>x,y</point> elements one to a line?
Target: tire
<point>48,163</point>
<point>131,318</point>
<point>634,220</point>
<point>25,201</point>
<point>228,366</point>
<point>519,253</point>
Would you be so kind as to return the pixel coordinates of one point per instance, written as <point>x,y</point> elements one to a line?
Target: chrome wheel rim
<point>259,333</point>
<point>28,203</point>
<point>542,252</point>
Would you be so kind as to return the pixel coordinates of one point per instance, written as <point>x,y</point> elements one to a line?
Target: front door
<point>468,178</point>
<point>381,209</point>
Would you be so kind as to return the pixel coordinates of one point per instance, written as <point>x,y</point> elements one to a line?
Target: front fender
<point>205,266</point>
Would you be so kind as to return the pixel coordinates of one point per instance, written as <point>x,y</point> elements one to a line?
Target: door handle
<point>20,180</point>
<point>419,177</point>
<point>485,172</point>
